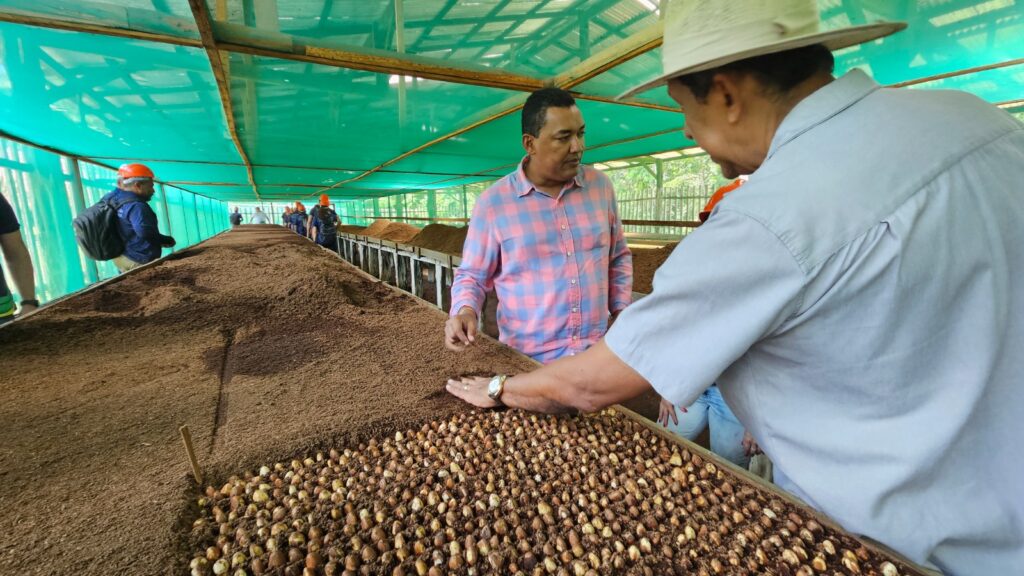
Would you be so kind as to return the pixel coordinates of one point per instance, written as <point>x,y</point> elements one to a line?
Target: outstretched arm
<point>587,382</point>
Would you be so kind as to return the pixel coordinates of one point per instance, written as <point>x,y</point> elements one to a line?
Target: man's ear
<point>726,94</point>
<point>529,141</point>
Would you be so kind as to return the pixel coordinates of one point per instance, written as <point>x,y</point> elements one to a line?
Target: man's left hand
<point>472,389</point>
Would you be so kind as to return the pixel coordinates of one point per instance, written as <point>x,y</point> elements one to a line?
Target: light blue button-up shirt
<point>860,302</point>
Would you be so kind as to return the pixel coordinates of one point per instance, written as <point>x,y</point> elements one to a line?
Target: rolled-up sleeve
<point>728,285</point>
<point>620,267</point>
<point>481,258</point>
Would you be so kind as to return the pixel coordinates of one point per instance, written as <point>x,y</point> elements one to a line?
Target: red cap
<point>130,171</point>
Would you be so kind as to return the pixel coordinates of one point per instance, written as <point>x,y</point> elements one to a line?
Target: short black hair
<point>779,72</point>
<point>535,110</point>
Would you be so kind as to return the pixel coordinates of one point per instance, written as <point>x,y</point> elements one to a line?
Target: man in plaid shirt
<point>548,239</point>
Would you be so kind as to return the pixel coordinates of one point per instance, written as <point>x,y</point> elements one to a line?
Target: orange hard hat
<point>130,171</point>
<point>325,200</point>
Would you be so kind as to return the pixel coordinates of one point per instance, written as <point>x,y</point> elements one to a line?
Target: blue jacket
<point>326,231</point>
<point>299,222</point>
<point>138,227</point>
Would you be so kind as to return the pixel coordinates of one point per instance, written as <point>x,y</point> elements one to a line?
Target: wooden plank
<point>18,17</point>
<point>956,73</point>
<point>412,219</point>
<point>632,102</point>
<point>623,51</point>
<point>209,42</point>
<point>671,223</point>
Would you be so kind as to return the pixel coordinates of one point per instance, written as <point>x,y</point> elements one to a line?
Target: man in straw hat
<point>865,317</point>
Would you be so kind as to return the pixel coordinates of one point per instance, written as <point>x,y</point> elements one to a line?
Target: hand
<point>750,446</point>
<point>668,410</point>
<point>460,330</point>
<point>472,389</point>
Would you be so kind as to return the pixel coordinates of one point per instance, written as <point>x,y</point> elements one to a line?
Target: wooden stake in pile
<point>513,493</point>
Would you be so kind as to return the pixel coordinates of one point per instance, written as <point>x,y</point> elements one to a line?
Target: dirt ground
<point>262,343</point>
<point>442,238</point>
<point>645,262</point>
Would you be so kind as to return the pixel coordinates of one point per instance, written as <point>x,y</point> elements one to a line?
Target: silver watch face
<point>494,387</point>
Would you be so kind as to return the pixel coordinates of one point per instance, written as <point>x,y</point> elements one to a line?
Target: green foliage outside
<point>687,183</point>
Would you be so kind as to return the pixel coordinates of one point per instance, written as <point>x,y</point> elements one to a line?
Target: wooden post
<point>186,437</point>
<point>439,272</point>
<point>412,274</point>
<point>89,265</point>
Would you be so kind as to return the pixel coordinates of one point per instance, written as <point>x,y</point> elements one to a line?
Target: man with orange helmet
<point>137,222</point>
<point>323,224</point>
<point>299,219</point>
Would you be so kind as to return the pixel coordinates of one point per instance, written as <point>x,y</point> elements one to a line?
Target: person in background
<point>548,239</point>
<point>236,217</point>
<point>323,224</point>
<point>299,219</point>
<point>729,439</point>
<point>20,264</point>
<point>864,316</point>
<point>286,218</point>
<point>259,217</point>
<point>137,222</point>
<point>717,197</point>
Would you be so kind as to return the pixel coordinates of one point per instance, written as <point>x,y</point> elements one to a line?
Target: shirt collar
<point>523,186</point>
<point>822,105</point>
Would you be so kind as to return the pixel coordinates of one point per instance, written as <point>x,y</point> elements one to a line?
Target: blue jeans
<point>726,431</point>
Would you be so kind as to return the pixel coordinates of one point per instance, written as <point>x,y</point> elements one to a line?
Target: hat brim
<point>833,40</point>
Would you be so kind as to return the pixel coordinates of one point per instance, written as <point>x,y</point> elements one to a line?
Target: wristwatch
<point>496,387</point>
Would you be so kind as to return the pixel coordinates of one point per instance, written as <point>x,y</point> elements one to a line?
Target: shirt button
<point>569,253</point>
<point>573,281</point>
<point>575,337</point>
<point>574,309</point>
<point>563,226</point>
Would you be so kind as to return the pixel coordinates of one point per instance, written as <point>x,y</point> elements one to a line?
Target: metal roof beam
<point>202,17</point>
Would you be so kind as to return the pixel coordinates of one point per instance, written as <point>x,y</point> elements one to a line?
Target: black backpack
<point>328,222</point>
<point>96,230</point>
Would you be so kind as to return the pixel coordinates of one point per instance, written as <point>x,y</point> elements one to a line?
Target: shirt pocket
<point>594,233</point>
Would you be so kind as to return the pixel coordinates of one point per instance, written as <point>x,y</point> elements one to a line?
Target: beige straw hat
<point>704,34</point>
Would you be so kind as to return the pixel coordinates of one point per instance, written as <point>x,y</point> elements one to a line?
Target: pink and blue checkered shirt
<point>559,265</point>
